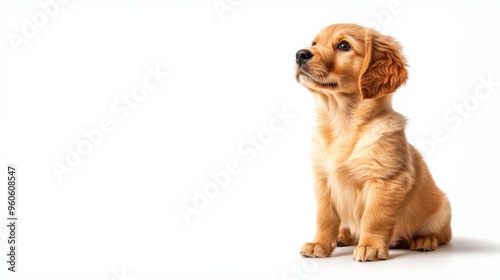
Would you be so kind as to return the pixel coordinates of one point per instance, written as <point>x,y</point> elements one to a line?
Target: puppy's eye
<point>343,46</point>
<point>313,44</point>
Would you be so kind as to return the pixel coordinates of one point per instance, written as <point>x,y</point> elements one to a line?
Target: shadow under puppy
<point>372,187</point>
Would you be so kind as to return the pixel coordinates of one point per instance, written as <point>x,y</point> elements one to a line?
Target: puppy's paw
<point>345,238</point>
<point>367,253</point>
<point>424,244</point>
<point>317,250</point>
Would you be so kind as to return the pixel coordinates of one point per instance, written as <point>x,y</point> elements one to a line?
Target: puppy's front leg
<point>327,222</point>
<point>383,203</point>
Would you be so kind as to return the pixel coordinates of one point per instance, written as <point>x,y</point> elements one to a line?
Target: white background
<point>116,215</point>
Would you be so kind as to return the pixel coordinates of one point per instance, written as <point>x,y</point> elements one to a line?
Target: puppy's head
<point>351,59</point>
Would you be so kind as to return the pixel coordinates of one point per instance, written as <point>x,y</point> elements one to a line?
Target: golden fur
<point>373,189</point>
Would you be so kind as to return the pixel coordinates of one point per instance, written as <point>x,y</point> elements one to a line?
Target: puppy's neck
<point>340,115</point>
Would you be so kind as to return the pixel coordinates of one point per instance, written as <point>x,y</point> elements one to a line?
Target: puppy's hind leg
<point>434,233</point>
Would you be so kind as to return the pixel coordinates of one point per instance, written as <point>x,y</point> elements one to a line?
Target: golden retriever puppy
<point>373,189</point>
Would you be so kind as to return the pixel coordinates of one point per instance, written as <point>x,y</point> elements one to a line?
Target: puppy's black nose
<point>302,56</point>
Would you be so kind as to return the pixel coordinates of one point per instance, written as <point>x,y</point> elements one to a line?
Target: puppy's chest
<point>336,161</point>
<point>346,188</point>
<point>347,159</point>
<point>346,162</point>
<point>339,160</point>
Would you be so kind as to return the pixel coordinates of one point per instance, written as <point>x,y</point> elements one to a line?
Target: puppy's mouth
<point>306,78</point>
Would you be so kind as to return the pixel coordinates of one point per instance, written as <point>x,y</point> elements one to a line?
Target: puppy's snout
<point>302,56</point>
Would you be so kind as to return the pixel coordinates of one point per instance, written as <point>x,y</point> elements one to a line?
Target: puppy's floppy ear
<point>384,68</point>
